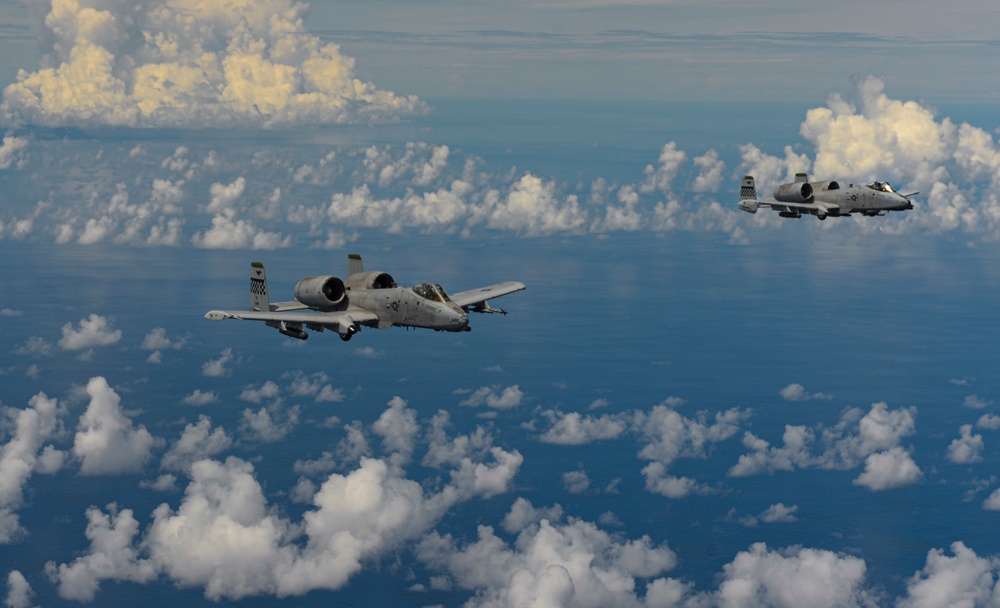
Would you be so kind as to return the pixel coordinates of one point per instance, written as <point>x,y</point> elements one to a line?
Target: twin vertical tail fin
<point>259,300</point>
<point>748,190</point>
<point>748,195</point>
<point>354,264</point>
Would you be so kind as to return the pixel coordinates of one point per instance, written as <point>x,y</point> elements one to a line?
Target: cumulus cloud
<point>35,346</point>
<point>19,591</point>
<point>157,339</point>
<point>229,230</point>
<point>967,448</point>
<point>269,424</point>
<point>197,442</point>
<point>191,64</point>
<point>573,428</point>
<point>797,577</point>
<point>668,435</point>
<point>491,396</point>
<point>216,368</point>
<point>532,206</point>
<point>575,482</point>
<point>315,385</point>
<point>776,513</point>
<point>988,421</point>
<point>11,150</point>
<point>111,556</point>
<point>664,433</point>
<point>872,439</point>
<point>107,442</point>
<point>889,469</point>
<point>93,331</point>
<point>797,392</point>
<point>24,455</point>
<point>199,397</point>
<point>976,402</point>
<point>227,539</point>
<point>551,563</point>
<point>961,579</point>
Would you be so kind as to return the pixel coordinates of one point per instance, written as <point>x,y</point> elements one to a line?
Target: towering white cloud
<point>23,455</point>
<point>19,591</point>
<point>107,442</point>
<point>189,63</point>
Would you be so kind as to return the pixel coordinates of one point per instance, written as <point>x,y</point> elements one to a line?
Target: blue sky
<point>688,406</point>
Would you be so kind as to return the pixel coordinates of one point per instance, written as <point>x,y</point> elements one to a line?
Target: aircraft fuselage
<point>403,306</point>
<point>861,199</point>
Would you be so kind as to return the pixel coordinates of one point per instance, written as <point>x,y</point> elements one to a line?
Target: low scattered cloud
<point>967,448</point>
<point>216,368</point>
<point>200,398</point>
<point>872,439</point>
<point>796,392</point>
<point>12,151</point>
<point>977,403</point>
<point>494,397</point>
<point>226,538</point>
<point>961,579</point>
<point>797,577</point>
<point>197,442</point>
<point>664,435</point>
<point>24,454</point>
<point>95,330</point>
<point>776,513</point>
<point>574,428</point>
<point>551,563</point>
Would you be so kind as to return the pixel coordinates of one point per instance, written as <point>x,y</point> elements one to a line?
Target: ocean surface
<point>609,325</point>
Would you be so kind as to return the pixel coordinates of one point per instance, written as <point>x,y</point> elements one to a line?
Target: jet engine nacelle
<point>799,192</point>
<point>825,186</point>
<point>749,206</point>
<point>371,280</point>
<point>324,293</point>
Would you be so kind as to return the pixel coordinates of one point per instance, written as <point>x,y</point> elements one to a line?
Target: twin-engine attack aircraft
<point>826,198</point>
<point>369,299</point>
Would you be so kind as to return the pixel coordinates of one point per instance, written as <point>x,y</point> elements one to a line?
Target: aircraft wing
<point>476,298</point>
<point>773,204</point>
<point>332,320</point>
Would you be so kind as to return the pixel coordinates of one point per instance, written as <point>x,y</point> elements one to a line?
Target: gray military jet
<point>370,299</point>
<point>827,198</point>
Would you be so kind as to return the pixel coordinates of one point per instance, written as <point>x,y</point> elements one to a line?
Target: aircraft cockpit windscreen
<point>881,187</point>
<point>432,291</point>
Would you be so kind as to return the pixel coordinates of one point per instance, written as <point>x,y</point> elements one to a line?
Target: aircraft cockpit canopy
<point>432,292</point>
<point>881,186</point>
